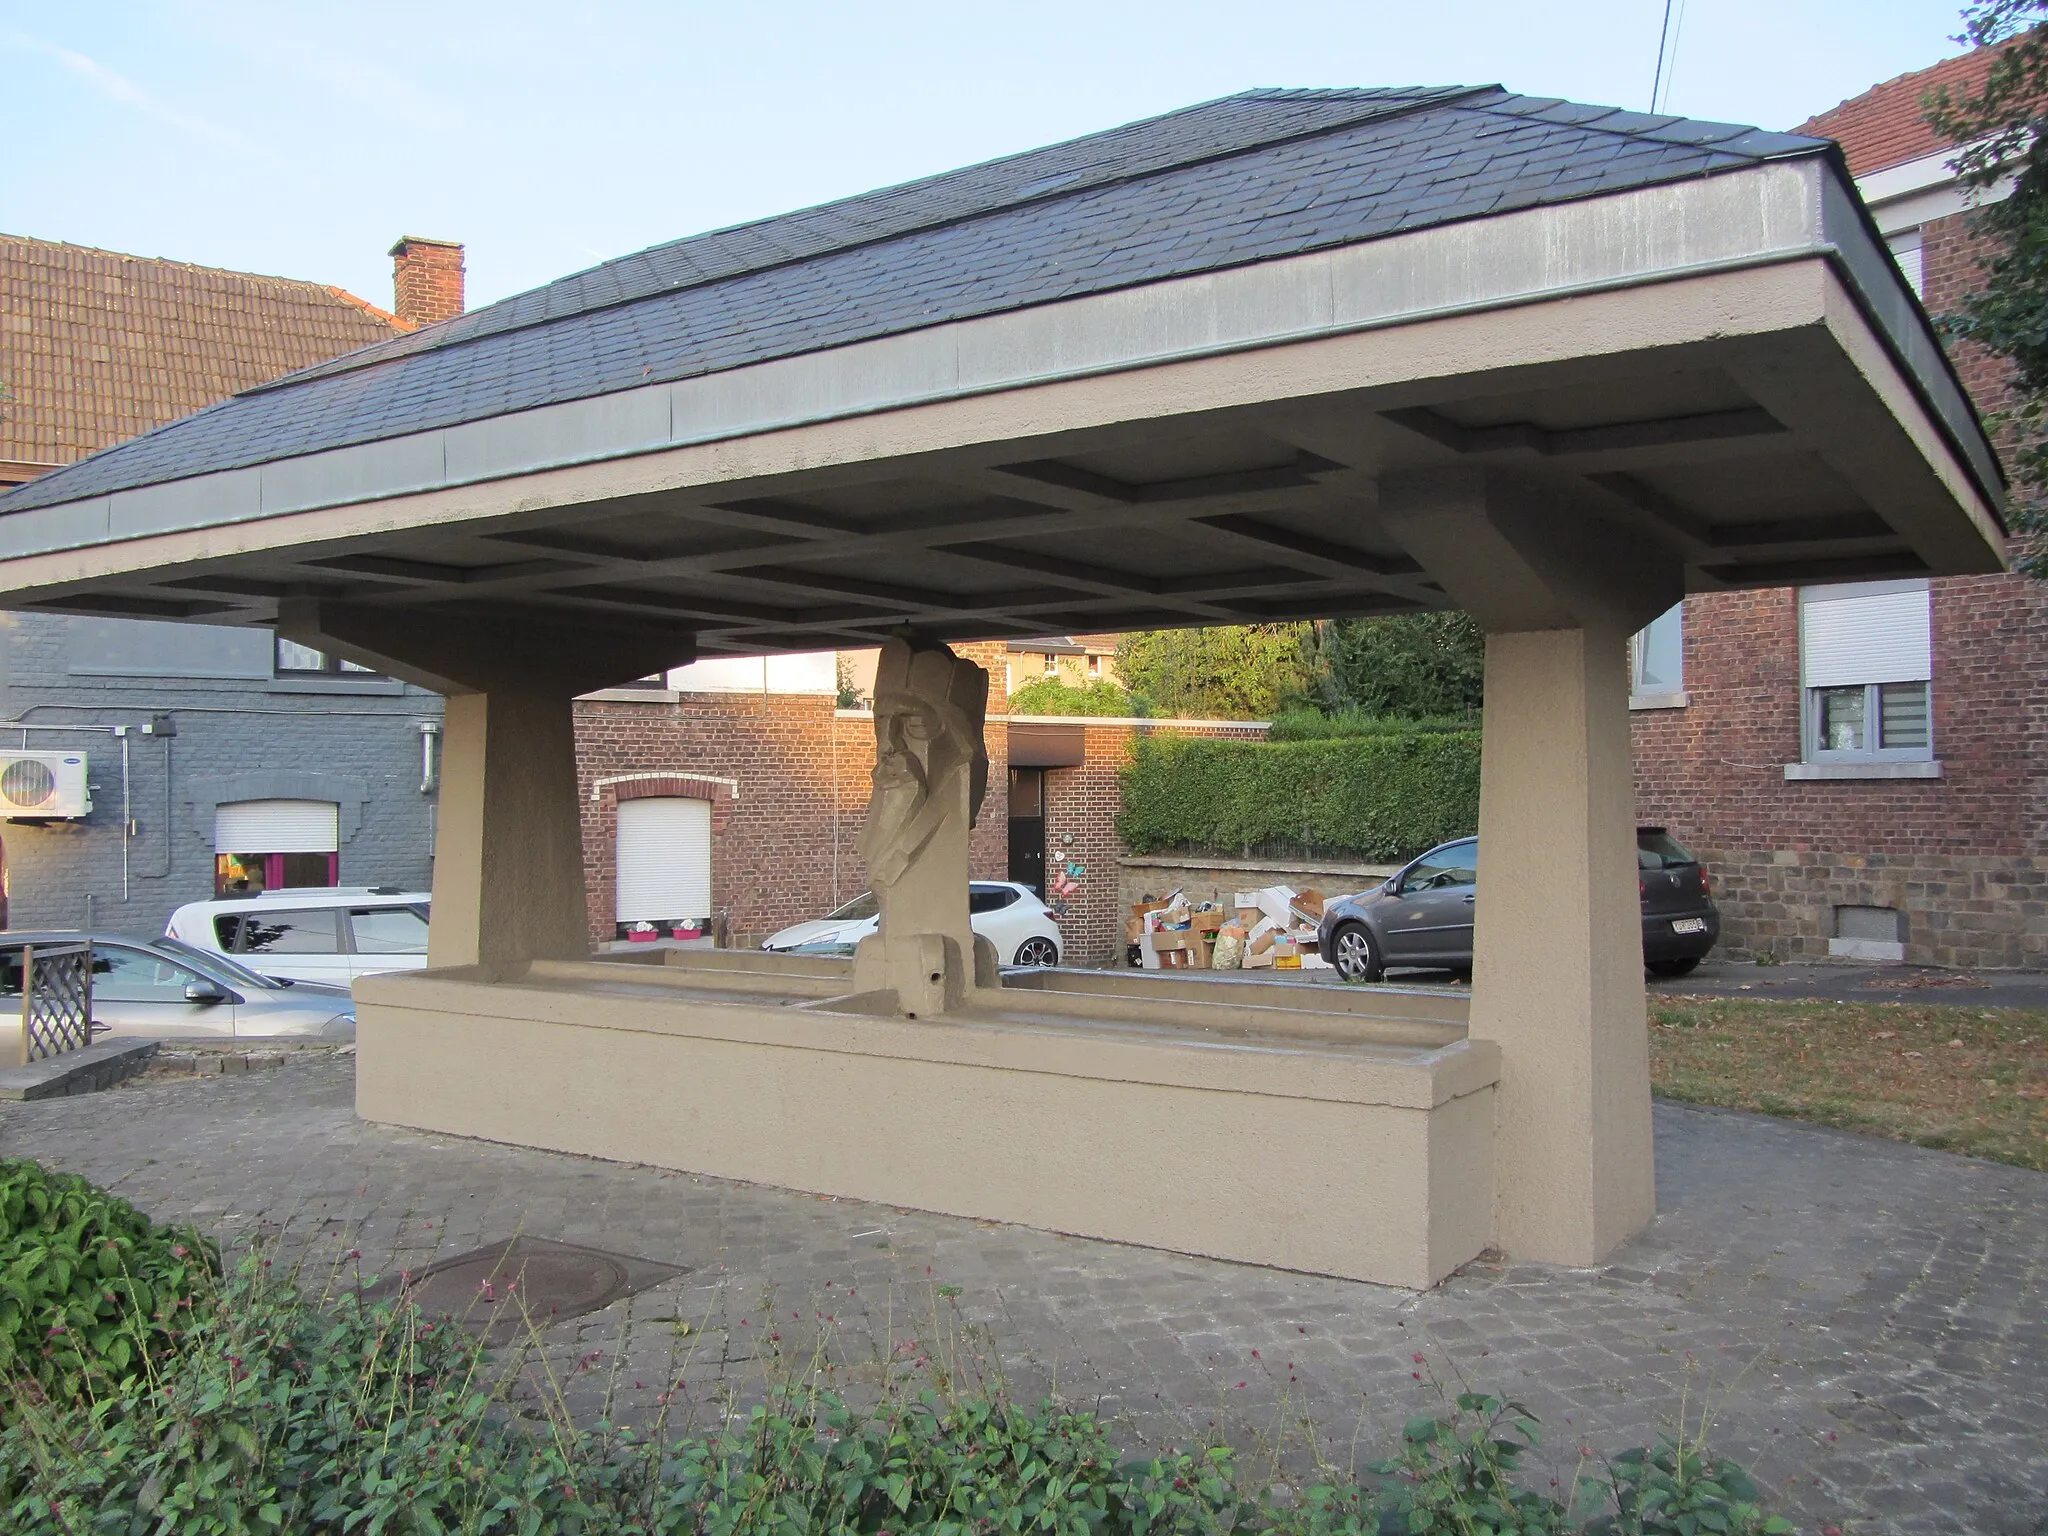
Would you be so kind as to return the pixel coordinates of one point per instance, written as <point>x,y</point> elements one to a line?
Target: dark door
<point>1429,919</point>
<point>1027,828</point>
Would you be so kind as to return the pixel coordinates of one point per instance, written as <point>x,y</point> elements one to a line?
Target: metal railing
<point>56,999</point>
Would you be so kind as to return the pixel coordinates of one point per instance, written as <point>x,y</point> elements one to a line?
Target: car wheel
<point>1358,954</point>
<point>1038,951</point>
<point>1683,967</point>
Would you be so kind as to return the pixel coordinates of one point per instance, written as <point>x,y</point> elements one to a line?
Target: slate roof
<point>96,346</point>
<point>1248,178</point>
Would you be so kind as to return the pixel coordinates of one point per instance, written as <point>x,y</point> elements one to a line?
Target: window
<point>279,933</point>
<point>1052,665</point>
<point>1094,666</point>
<point>1907,252</point>
<point>135,976</point>
<point>989,898</point>
<point>388,930</point>
<point>269,845</point>
<point>1455,865</point>
<point>295,660</point>
<point>251,874</point>
<point>1865,661</point>
<point>1656,656</point>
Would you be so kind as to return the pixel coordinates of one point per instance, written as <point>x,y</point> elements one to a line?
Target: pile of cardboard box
<point>1271,927</point>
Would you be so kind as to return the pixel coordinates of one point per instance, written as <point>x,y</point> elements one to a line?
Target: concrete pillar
<point>508,845</point>
<point>1559,586</point>
<point>508,850</point>
<point>1558,960</point>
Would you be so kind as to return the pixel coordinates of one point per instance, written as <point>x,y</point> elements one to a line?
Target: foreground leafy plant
<point>90,1291</point>
<point>329,1415</point>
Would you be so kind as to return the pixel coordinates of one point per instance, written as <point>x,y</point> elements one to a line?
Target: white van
<point>320,933</point>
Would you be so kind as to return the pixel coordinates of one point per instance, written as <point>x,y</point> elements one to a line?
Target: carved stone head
<point>930,707</point>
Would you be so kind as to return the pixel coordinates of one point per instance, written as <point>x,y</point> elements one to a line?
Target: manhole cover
<point>502,1289</point>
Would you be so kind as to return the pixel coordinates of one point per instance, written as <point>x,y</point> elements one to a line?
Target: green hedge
<point>1386,796</point>
<point>1315,725</point>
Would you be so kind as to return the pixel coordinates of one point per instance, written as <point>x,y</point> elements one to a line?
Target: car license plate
<point>1689,925</point>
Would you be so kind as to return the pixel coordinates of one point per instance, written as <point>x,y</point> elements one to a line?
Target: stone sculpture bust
<point>930,710</point>
<point>931,774</point>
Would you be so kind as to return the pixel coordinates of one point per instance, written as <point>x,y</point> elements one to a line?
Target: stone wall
<point>1970,911</point>
<point>1142,877</point>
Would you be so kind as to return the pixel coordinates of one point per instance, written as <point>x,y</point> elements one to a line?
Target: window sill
<point>337,684</point>
<point>1866,949</point>
<point>1878,770</point>
<point>634,696</point>
<point>1659,700</point>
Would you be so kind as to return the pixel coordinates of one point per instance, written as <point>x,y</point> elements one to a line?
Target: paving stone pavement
<point>1867,1323</point>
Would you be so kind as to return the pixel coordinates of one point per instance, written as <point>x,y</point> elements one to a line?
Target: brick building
<point>212,754</point>
<point>1863,766</point>
<point>780,772</point>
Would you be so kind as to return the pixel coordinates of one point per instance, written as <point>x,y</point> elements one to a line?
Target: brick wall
<point>782,840</point>
<point>1081,804</point>
<point>349,738</point>
<point>784,828</point>
<point>426,281</point>
<point>1960,856</point>
<point>1784,853</point>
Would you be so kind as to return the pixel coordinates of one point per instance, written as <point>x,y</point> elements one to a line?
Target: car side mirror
<point>205,992</point>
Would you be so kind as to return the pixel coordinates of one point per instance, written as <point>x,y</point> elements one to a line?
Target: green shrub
<point>1050,696</point>
<point>1314,725</point>
<point>1383,796</point>
<point>90,1292</point>
<point>283,1413</point>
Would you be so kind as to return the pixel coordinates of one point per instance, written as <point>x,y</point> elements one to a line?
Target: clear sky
<point>302,139</point>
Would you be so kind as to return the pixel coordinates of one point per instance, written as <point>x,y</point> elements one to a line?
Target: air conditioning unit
<point>36,786</point>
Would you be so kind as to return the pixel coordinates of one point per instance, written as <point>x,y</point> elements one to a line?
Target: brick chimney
<point>426,280</point>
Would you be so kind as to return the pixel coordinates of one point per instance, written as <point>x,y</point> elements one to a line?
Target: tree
<point>1238,672</point>
<point>2003,127</point>
<point>1411,665</point>
<point>1050,696</point>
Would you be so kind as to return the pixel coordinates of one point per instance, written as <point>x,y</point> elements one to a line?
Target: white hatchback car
<point>321,933</point>
<point>1008,915</point>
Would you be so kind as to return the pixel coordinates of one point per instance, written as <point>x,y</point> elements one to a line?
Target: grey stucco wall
<point>240,734</point>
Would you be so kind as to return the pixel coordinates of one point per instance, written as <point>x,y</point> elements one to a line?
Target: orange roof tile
<point>1885,126</point>
<point>96,346</point>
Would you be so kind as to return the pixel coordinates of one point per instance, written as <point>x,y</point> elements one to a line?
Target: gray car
<point>1422,917</point>
<point>164,989</point>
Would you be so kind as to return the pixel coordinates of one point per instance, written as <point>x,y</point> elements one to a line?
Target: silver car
<point>164,989</point>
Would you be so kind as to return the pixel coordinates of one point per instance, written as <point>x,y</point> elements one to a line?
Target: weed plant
<point>294,1406</point>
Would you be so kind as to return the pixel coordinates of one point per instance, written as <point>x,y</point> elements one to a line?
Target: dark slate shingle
<point>1250,178</point>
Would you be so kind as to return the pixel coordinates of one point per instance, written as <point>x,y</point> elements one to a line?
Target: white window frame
<point>1909,251</point>
<point>1873,726</point>
<point>1874,751</point>
<point>1657,695</point>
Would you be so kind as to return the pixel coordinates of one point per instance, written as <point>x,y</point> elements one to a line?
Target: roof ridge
<point>1663,120</point>
<point>403,327</point>
<point>1906,74</point>
<point>189,266</point>
<point>1401,100</point>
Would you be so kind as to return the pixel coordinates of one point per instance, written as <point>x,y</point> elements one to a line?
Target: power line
<point>1667,52</point>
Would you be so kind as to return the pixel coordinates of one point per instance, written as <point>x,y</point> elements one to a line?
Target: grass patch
<point>1961,1078</point>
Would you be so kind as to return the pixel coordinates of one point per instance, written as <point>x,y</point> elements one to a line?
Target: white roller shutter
<point>1864,632</point>
<point>664,866</point>
<point>277,826</point>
